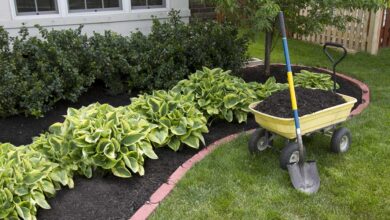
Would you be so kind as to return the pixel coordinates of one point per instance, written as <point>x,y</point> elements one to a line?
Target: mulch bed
<point>309,101</point>
<point>255,74</point>
<point>110,197</point>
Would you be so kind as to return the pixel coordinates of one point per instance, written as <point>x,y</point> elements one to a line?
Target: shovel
<point>304,175</point>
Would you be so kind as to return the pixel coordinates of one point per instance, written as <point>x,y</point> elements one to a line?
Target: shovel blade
<point>304,177</point>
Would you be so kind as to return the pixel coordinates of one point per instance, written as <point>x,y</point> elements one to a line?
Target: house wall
<point>121,21</point>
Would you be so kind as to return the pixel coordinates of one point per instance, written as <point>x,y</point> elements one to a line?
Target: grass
<point>232,184</point>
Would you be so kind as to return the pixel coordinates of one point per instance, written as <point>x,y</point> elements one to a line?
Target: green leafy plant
<point>99,136</point>
<point>219,94</point>
<point>175,49</point>
<point>109,61</point>
<point>178,120</point>
<point>36,72</point>
<point>313,80</point>
<point>26,177</point>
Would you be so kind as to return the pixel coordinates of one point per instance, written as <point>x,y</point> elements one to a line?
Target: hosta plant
<point>26,177</point>
<point>263,90</point>
<point>100,136</point>
<point>177,119</point>
<point>313,80</point>
<point>221,95</point>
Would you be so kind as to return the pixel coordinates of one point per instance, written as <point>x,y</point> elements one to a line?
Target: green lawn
<point>232,184</point>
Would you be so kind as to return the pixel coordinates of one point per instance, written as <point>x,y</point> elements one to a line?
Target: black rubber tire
<point>255,138</point>
<point>287,152</point>
<point>337,144</point>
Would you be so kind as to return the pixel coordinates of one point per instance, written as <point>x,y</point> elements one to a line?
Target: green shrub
<point>109,59</point>
<point>178,120</point>
<point>160,59</point>
<point>215,45</point>
<point>36,72</point>
<point>312,80</point>
<point>175,49</point>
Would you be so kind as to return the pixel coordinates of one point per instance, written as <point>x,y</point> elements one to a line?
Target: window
<point>139,4</point>
<point>37,7</point>
<point>94,5</point>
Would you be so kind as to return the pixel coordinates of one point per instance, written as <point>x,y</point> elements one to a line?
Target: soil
<point>256,74</point>
<point>110,197</point>
<point>20,129</point>
<point>309,101</point>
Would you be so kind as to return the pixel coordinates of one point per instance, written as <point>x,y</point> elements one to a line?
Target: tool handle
<point>334,62</point>
<point>337,45</point>
<point>291,86</point>
<point>284,37</point>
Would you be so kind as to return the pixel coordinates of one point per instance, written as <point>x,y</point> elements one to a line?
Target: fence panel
<point>358,36</point>
<point>385,32</point>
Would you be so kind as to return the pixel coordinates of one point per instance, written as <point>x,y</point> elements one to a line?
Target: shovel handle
<point>291,88</point>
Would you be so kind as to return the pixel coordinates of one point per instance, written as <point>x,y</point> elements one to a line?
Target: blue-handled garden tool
<point>304,175</point>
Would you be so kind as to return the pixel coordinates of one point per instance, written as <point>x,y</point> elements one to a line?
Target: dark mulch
<point>20,129</point>
<point>255,74</point>
<point>309,101</point>
<point>110,197</point>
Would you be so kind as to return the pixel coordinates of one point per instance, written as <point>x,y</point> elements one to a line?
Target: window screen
<point>36,6</point>
<point>93,5</point>
<point>139,4</point>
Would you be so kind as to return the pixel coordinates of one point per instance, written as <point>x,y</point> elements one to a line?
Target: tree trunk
<point>267,55</point>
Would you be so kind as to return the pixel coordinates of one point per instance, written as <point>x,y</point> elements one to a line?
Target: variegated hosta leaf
<point>25,179</point>
<point>219,94</point>
<point>97,136</point>
<point>175,116</point>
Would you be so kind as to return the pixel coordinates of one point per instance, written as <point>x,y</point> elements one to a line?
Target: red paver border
<point>362,86</point>
<point>163,191</point>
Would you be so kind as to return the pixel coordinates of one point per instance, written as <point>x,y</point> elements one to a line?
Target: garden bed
<point>255,74</point>
<point>113,197</point>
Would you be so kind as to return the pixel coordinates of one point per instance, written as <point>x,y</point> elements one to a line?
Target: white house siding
<point>122,21</point>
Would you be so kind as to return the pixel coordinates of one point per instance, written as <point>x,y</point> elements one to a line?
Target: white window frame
<point>56,11</point>
<point>164,5</point>
<point>120,8</point>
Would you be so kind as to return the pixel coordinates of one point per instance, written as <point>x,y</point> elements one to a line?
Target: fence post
<point>374,32</point>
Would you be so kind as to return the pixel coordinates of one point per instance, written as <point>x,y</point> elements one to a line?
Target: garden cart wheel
<point>260,140</point>
<point>289,154</point>
<point>341,140</point>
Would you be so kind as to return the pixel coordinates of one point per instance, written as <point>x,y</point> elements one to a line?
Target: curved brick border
<point>147,209</point>
<point>362,86</point>
<point>144,211</point>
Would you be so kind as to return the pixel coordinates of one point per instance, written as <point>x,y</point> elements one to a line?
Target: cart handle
<point>334,62</point>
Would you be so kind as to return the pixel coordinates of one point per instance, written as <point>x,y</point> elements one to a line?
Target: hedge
<point>37,72</point>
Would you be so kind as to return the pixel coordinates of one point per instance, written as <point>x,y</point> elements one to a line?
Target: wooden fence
<point>364,35</point>
<point>384,40</point>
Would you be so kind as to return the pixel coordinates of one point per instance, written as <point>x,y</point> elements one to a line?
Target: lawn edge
<point>163,191</point>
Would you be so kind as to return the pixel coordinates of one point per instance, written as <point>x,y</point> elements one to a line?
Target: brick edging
<point>361,85</point>
<point>163,191</point>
